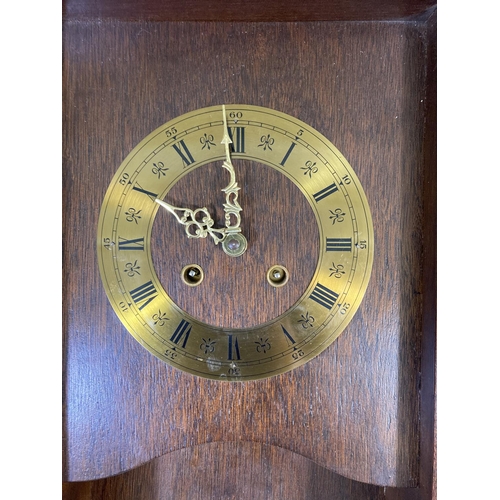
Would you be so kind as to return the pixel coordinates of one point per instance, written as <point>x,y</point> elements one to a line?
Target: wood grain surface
<point>355,410</point>
<point>281,230</point>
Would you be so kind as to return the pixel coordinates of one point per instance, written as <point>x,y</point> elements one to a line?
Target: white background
<point>468,249</point>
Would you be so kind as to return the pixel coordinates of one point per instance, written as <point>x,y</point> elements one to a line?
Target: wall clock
<point>308,94</point>
<point>308,262</point>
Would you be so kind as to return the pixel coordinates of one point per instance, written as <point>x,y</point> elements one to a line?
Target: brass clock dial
<point>207,279</point>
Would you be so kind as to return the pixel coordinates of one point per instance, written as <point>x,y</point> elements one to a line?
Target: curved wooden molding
<point>221,471</point>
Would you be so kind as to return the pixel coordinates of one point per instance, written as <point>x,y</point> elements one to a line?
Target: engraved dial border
<point>322,174</point>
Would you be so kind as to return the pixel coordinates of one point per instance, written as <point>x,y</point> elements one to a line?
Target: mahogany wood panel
<point>356,409</point>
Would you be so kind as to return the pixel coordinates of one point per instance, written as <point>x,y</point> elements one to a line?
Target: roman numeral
<point>237,135</point>
<point>184,153</point>
<point>135,244</point>
<point>138,188</point>
<point>181,332</point>
<point>233,351</point>
<point>288,337</point>
<point>285,158</point>
<point>339,244</point>
<point>144,293</point>
<point>324,296</point>
<point>332,188</point>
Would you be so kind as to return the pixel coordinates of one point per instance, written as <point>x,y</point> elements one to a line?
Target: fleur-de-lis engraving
<point>207,141</point>
<point>310,168</point>
<point>133,215</point>
<point>263,345</point>
<point>160,318</point>
<point>131,269</point>
<point>337,271</point>
<point>207,346</point>
<point>337,216</point>
<point>266,141</point>
<point>159,169</point>
<point>306,321</point>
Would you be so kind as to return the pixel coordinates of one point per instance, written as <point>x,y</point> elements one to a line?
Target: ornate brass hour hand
<point>197,223</point>
<point>235,243</point>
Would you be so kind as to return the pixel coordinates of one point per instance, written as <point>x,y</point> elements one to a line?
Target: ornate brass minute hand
<point>197,223</point>
<point>234,243</point>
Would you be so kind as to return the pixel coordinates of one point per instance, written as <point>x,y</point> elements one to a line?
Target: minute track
<point>314,166</point>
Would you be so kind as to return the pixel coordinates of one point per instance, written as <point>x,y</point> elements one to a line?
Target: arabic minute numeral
<point>170,354</point>
<point>171,132</point>
<point>344,308</point>
<point>108,243</point>
<point>346,179</point>
<point>124,179</point>
<point>297,354</point>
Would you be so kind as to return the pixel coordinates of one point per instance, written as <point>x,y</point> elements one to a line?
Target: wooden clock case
<point>358,421</point>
